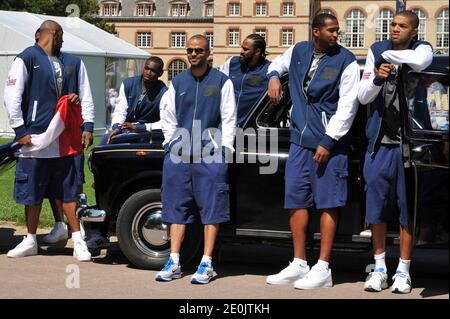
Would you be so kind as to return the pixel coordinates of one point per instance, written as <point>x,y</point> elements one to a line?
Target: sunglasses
<point>197,50</point>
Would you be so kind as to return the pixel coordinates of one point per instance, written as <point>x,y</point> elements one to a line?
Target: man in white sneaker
<point>38,78</point>
<point>199,100</point>
<point>322,81</point>
<point>383,164</point>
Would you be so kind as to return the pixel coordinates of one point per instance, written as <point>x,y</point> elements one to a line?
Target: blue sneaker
<point>203,274</point>
<point>170,271</point>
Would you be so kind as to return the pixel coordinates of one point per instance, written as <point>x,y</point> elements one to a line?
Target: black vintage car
<point>128,179</point>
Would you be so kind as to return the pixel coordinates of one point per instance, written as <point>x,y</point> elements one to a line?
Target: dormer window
<point>145,9</point>
<point>179,9</point>
<point>110,9</point>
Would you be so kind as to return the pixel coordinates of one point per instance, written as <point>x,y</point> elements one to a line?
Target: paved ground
<point>241,269</point>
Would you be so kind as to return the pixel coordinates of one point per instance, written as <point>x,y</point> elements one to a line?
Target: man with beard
<point>322,81</point>
<point>198,102</point>
<point>248,72</point>
<point>38,78</point>
<point>383,165</point>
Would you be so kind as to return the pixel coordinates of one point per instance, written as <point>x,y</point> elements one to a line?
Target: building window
<point>179,10</point>
<point>209,10</point>
<point>144,39</point>
<point>210,37</point>
<point>287,37</point>
<point>422,23</point>
<point>261,9</point>
<point>383,25</point>
<point>233,37</point>
<point>354,33</point>
<point>262,32</point>
<point>145,9</point>
<point>234,9</point>
<point>442,29</point>
<point>178,40</point>
<point>110,9</point>
<point>175,68</point>
<point>288,9</point>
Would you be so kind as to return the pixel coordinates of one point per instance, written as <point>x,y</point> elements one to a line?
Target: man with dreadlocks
<point>248,74</point>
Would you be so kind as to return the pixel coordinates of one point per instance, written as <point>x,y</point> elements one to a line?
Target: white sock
<point>175,257</point>
<point>403,265</point>
<point>323,264</point>
<point>207,259</point>
<point>31,237</point>
<point>300,262</point>
<point>76,236</point>
<point>380,262</point>
<point>60,225</point>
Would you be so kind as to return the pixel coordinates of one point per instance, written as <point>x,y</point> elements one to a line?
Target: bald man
<point>38,78</point>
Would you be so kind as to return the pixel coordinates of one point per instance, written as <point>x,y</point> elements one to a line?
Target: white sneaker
<point>27,247</point>
<point>204,273</point>
<point>58,233</point>
<point>317,277</point>
<point>97,241</point>
<point>80,251</point>
<point>402,283</point>
<point>288,275</point>
<point>170,271</point>
<point>376,281</point>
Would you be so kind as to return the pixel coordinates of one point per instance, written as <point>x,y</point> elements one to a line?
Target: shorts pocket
<point>21,187</point>
<point>340,192</point>
<point>222,204</point>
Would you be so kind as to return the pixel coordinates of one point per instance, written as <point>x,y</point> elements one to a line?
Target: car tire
<point>140,232</point>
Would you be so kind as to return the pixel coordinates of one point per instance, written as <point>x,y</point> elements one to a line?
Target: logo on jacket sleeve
<point>10,82</point>
<point>211,90</point>
<point>330,73</point>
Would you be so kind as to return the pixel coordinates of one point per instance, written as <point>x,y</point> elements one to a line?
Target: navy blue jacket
<point>39,98</point>
<point>377,106</point>
<point>249,85</point>
<point>331,90</point>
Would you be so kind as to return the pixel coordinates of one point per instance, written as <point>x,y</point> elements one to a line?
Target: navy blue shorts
<point>39,178</point>
<point>385,186</point>
<point>189,189</point>
<point>79,166</point>
<point>308,183</point>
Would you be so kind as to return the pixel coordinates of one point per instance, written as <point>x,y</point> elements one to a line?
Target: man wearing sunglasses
<point>248,74</point>
<point>198,103</point>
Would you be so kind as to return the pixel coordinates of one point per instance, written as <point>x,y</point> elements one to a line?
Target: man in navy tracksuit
<point>38,77</point>
<point>139,99</point>
<point>198,119</point>
<point>137,111</point>
<point>323,77</point>
<point>248,72</point>
<point>383,165</point>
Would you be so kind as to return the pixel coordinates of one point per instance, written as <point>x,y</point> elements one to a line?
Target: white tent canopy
<point>98,49</point>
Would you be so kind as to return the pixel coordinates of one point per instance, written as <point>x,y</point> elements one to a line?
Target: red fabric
<point>70,138</point>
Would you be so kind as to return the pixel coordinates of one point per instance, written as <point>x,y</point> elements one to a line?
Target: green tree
<point>85,9</point>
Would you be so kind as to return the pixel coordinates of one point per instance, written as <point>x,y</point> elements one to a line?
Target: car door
<point>257,175</point>
<point>427,154</point>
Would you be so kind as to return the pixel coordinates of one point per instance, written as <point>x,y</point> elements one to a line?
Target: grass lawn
<point>10,211</point>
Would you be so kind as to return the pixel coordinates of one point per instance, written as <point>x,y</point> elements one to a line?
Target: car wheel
<point>142,235</point>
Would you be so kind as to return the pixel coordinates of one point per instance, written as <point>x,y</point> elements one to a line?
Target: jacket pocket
<point>33,115</point>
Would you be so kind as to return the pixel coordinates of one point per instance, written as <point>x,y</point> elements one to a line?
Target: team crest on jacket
<point>255,80</point>
<point>211,90</point>
<point>69,70</point>
<point>329,73</point>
